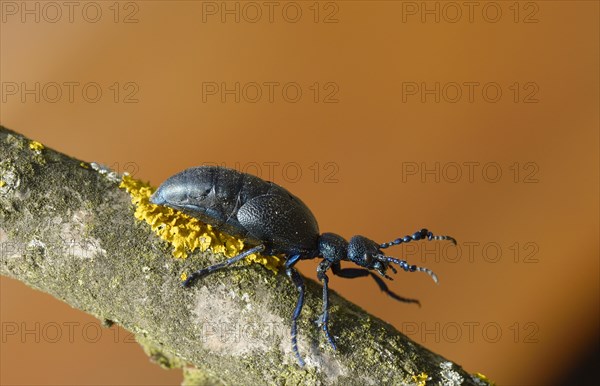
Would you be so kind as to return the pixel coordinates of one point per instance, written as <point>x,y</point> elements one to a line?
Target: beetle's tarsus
<point>188,282</point>
<point>329,337</point>
<point>297,280</point>
<point>322,275</point>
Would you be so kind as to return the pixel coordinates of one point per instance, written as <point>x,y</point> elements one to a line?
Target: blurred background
<point>474,119</point>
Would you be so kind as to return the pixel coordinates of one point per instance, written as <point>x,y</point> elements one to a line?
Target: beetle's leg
<point>292,261</point>
<point>419,235</point>
<point>212,268</point>
<point>322,275</point>
<point>299,283</point>
<point>351,273</point>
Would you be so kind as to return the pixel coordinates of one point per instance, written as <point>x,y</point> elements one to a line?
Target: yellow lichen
<point>84,165</point>
<point>484,378</point>
<point>421,379</point>
<point>36,146</point>
<point>2,183</point>
<point>186,233</point>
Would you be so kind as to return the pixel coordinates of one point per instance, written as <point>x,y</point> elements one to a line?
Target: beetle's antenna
<point>409,268</point>
<point>422,234</point>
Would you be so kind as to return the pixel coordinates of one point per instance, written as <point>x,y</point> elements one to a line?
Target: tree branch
<point>69,230</point>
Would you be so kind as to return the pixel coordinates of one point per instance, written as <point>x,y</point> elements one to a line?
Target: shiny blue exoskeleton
<point>273,221</point>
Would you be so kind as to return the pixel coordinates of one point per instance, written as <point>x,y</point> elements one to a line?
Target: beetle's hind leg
<point>299,283</point>
<point>205,271</point>
<point>322,275</point>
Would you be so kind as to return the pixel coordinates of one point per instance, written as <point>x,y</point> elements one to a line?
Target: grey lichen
<point>9,179</point>
<point>449,376</point>
<point>68,230</point>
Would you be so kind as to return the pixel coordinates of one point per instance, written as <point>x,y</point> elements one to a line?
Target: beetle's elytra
<point>272,220</point>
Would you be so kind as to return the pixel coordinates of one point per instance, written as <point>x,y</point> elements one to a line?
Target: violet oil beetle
<point>271,220</point>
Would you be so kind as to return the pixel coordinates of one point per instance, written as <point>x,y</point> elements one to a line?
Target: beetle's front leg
<point>352,273</point>
<point>322,275</point>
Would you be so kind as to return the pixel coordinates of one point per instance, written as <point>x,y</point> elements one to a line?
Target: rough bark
<point>69,230</point>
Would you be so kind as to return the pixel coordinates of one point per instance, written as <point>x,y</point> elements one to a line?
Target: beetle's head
<point>367,253</point>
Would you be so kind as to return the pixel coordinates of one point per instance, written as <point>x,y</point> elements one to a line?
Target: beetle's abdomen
<point>242,205</point>
<point>282,222</point>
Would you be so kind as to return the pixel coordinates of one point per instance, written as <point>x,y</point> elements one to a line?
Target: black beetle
<point>274,221</point>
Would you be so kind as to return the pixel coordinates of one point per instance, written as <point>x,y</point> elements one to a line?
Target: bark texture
<point>69,230</point>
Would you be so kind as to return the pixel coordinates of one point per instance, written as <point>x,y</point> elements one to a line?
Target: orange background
<point>526,316</point>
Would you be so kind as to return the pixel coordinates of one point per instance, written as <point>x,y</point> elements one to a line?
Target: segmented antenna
<point>409,268</point>
<point>422,234</point>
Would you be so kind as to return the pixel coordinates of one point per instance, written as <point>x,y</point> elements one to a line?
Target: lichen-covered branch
<point>70,230</point>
